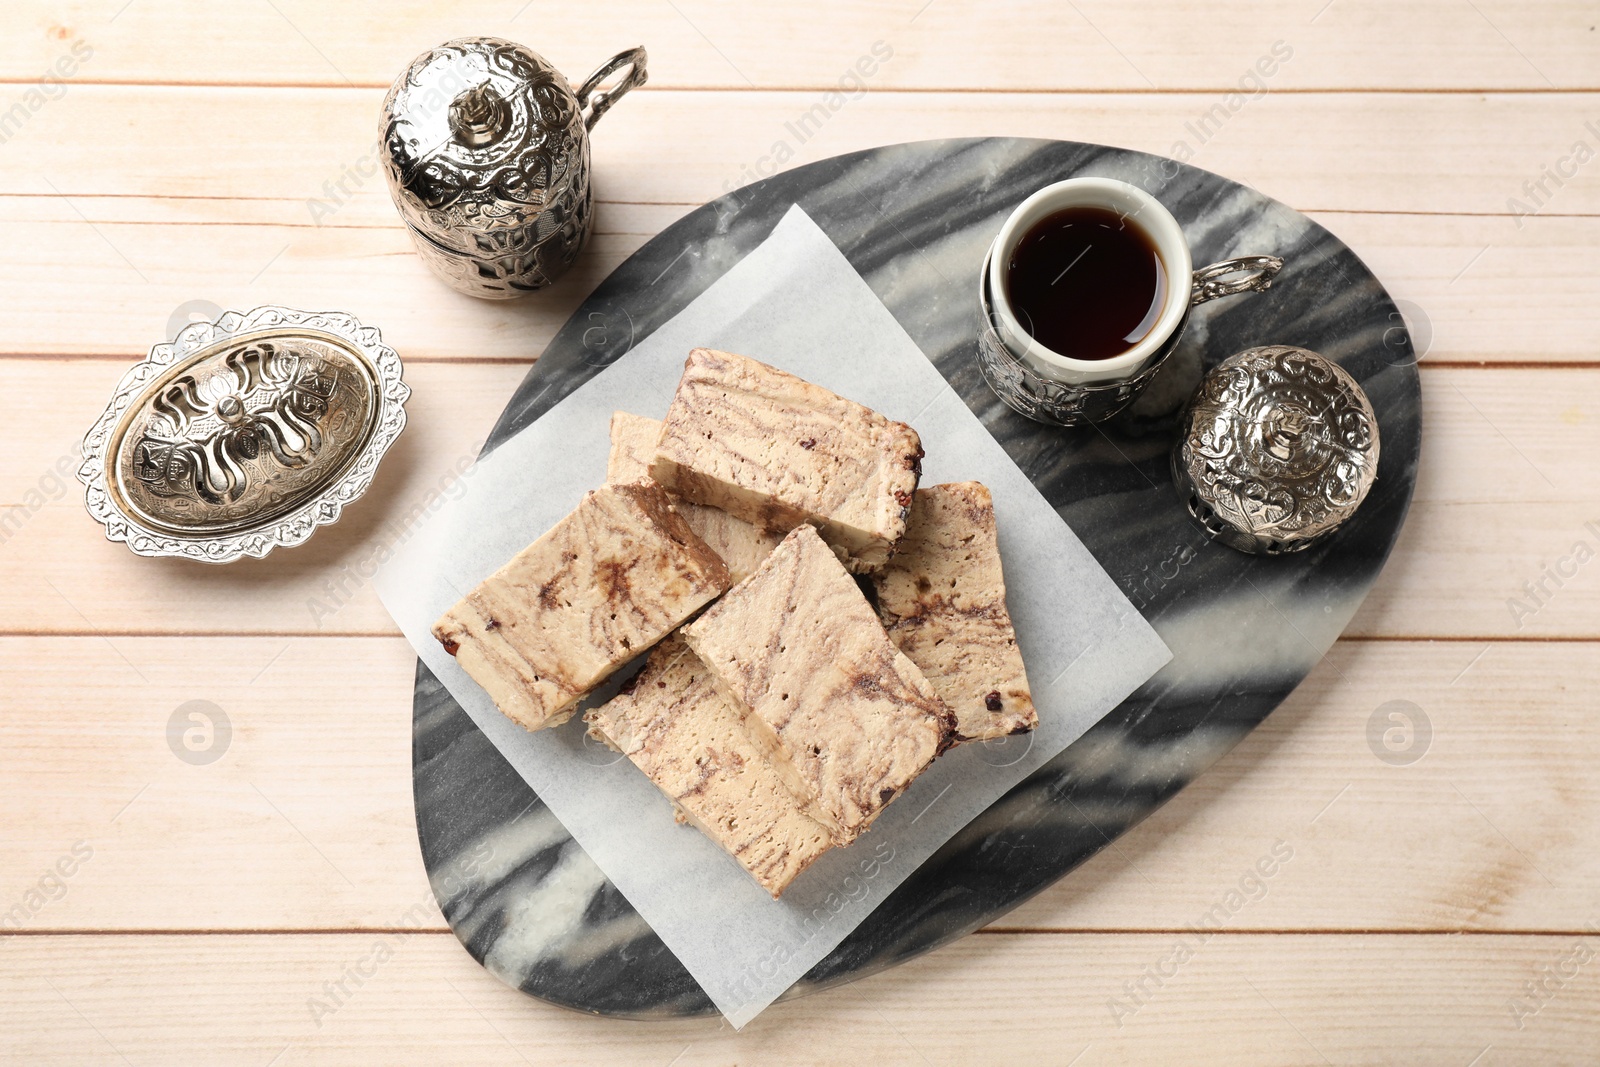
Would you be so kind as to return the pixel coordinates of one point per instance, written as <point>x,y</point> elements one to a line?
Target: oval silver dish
<point>243,435</point>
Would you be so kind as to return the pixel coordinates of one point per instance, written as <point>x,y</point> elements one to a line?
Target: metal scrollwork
<point>1046,400</point>
<point>271,401</point>
<point>243,434</point>
<point>1247,274</point>
<point>486,152</point>
<point>1279,447</point>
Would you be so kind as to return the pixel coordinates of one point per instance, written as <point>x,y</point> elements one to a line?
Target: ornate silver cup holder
<point>1056,403</point>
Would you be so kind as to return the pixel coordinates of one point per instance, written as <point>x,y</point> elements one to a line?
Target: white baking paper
<point>796,303</point>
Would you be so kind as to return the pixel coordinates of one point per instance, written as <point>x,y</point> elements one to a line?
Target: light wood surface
<point>186,161</point>
<point>1035,998</point>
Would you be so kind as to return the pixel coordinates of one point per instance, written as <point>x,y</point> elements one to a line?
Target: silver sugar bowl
<point>486,149</point>
<point>244,434</point>
<point>1278,447</point>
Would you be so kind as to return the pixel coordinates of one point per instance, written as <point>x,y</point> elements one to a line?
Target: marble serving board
<point>915,220</point>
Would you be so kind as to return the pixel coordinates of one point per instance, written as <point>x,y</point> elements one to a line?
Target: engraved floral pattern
<point>1073,404</point>
<point>1280,446</point>
<point>199,442</point>
<point>487,157</point>
<point>287,529</point>
<point>1058,403</point>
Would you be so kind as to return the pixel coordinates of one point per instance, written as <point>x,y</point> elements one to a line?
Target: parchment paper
<point>796,303</point>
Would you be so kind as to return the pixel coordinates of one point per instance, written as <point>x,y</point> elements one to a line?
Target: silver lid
<point>1277,448</point>
<point>244,434</point>
<point>486,152</point>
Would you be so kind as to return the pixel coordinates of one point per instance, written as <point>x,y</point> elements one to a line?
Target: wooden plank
<point>1489,291</point>
<point>369,272</point>
<point>1504,498</point>
<point>1429,152</point>
<point>273,833</point>
<point>1238,1000</point>
<point>1500,464</point>
<point>945,44</point>
<point>1452,816</point>
<point>305,819</point>
<point>174,226</point>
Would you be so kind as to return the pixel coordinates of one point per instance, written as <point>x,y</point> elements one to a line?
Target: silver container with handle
<point>485,146</point>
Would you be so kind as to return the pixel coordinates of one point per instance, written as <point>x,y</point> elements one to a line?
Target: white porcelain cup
<point>1139,209</point>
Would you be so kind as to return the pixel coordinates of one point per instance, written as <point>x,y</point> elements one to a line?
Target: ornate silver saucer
<point>243,435</point>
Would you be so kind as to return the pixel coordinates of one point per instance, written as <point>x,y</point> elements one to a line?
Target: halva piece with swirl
<point>942,599</point>
<point>852,721</point>
<point>777,451</point>
<point>599,588</point>
<point>742,545</point>
<point>1277,448</point>
<point>691,741</point>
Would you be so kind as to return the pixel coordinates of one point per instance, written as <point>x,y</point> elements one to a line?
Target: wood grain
<point>223,155</point>
<point>305,822</point>
<point>1094,44</point>
<point>1505,495</point>
<point>1320,151</point>
<point>174,226</point>
<point>1238,999</point>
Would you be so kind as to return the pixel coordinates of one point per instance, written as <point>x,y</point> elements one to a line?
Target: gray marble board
<point>915,220</point>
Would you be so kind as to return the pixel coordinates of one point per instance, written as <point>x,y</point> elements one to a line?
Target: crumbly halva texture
<point>691,741</point>
<point>777,451</point>
<point>742,545</point>
<point>942,599</point>
<point>599,588</point>
<point>853,720</point>
<point>633,446</point>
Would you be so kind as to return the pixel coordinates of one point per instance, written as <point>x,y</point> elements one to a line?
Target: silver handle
<point>1212,281</point>
<point>598,101</point>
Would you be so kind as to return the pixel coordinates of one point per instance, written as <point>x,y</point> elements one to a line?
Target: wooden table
<point>269,907</point>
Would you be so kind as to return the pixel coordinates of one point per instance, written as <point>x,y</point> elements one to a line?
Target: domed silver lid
<point>244,434</point>
<point>1277,448</point>
<point>480,135</point>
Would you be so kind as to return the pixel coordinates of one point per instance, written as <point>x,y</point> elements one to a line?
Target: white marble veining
<point>915,220</point>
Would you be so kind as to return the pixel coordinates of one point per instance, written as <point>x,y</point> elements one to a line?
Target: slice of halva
<point>742,545</point>
<point>778,451</point>
<point>853,720</point>
<point>942,599</point>
<point>691,741</point>
<point>600,587</point>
